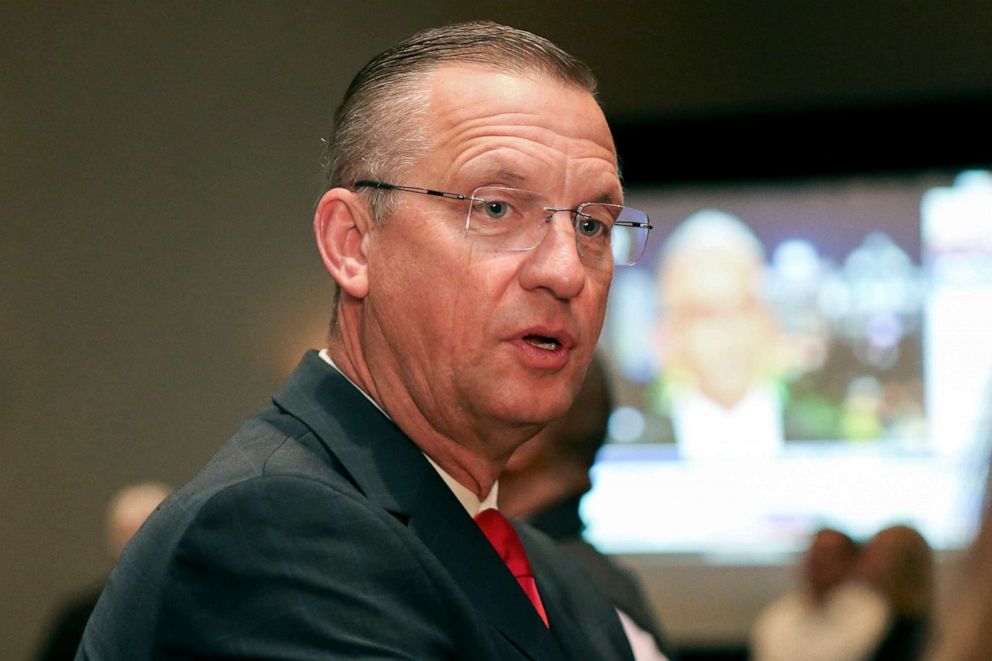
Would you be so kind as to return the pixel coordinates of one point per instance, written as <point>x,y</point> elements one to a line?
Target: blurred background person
<point>899,563</point>
<point>831,617</point>
<point>965,633</point>
<point>718,344</point>
<point>543,483</point>
<point>127,510</point>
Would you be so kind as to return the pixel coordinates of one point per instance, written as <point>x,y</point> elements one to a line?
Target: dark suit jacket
<point>321,531</point>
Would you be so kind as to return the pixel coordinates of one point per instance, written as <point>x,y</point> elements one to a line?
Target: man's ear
<point>341,225</point>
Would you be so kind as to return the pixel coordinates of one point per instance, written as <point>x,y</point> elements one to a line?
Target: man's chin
<point>549,410</point>
<point>535,411</point>
<point>521,397</point>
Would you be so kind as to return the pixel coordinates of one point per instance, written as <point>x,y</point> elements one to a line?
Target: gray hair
<point>379,128</point>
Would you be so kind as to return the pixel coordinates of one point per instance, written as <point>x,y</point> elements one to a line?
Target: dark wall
<point>158,163</point>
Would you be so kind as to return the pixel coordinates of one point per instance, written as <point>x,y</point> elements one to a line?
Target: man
<point>339,522</point>
<point>127,510</point>
<point>544,481</point>
<point>718,343</point>
<point>832,617</point>
<point>898,562</point>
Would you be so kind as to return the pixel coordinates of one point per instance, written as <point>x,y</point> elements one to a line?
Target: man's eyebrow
<point>502,174</point>
<point>607,198</point>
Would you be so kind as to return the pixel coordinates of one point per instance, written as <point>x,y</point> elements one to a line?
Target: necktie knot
<point>504,539</point>
<point>500,533</point>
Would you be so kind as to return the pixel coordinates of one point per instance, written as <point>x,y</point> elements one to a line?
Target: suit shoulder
<point>290,556</point>
<point>274,557</point>
<point>270,444</point>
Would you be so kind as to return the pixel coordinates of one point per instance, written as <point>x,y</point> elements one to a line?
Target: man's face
<point>829,560</point>
<point>478,339</point>
<point>717,326</point>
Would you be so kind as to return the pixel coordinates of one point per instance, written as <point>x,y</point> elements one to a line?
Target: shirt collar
<point>466,496</point>
<point>326,357</point>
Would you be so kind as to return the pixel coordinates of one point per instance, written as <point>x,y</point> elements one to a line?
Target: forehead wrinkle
<point>502,169</point>
<point>451,126</point>
<point>564,145</point>
<point>525,129</point>
<point>611,193</point>
<point>505,162</point>
<point>508,162</point>
<point>452,109</point>
<point>453,117</point>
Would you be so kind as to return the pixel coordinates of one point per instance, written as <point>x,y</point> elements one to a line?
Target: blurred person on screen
<point>127,510</point>
<point>471,223</point>
<point>720,350</point>
<point>543,483</point>
<point>898,562</point>
<point>832,616</point>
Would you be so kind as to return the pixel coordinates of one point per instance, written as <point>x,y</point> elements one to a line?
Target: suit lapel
<point>467,555</point>
<point>568,632</point>
<point>392,472</point>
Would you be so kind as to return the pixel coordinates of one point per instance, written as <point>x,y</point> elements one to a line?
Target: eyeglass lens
<point>513,219</point>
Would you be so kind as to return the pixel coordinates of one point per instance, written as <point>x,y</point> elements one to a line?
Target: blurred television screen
<point>798,354</point>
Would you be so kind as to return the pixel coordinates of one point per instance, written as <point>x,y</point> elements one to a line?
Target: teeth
<point>547,344</point>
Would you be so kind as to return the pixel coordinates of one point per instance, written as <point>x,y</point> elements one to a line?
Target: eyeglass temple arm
<point>634,223</point>
<point>382,185</point>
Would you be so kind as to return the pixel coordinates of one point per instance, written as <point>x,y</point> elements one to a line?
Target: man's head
<point>830,560</point>
<point>128,509</point>
<point>555,464</point>
<point>716,332</point>
<point>899,562</point>
<point>380,127</point>
<point>455,338</point>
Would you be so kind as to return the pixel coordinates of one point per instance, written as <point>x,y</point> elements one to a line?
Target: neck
<point>523,494</point>
<point>473,457</point>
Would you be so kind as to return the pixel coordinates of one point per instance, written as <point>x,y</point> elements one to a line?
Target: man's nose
<point>555,263</point>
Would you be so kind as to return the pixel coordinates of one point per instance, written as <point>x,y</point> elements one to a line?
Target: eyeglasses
<point>512,219</point>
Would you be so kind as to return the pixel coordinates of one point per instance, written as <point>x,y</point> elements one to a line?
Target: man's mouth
<point>542,342</point>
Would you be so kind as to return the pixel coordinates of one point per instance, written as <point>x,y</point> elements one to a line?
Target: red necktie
<point>504,539</point>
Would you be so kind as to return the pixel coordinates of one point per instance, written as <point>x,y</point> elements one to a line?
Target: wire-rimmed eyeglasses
<point>513,219</point>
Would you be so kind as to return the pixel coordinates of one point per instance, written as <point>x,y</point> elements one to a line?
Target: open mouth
<point>542,342</point>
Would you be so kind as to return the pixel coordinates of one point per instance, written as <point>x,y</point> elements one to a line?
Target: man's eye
<point>496,209</point>
<point>590,226</point>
